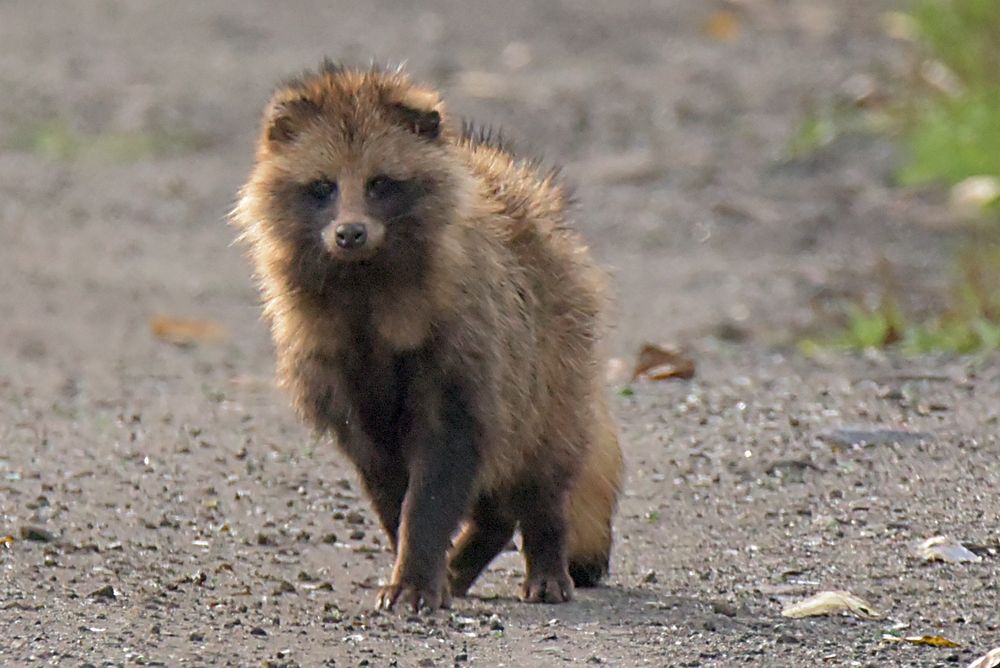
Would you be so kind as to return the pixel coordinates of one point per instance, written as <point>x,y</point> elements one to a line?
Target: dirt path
<point>179,478</point>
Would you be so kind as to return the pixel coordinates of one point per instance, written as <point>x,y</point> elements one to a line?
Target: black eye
<point>381,187</point>
<point>322,189</point>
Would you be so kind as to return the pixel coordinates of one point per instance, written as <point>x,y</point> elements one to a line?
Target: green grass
<point>814,132</point>
<point>954,135</point>
<point>953,139</point>
<point>949,127</point>
<point>970,323</point>
<point>964,35</point>
<point>57,140</point>
<point>950,131</point>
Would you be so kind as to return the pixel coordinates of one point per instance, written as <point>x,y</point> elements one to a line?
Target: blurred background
<point>750,169</point>
<point>797,199</point>
<point>744,168</point>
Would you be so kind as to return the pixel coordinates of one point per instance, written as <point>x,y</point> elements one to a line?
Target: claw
<point>414,597</point>
<point>548,589</point>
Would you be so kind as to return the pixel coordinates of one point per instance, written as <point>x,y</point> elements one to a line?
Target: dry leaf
<point>723,26</point>
<point>970,197</point>
<point>185,332</point>
<point>831,602</point>
<point>662,363</point>
<point>989,660</point>
<point>933,641</point>
<point>940,76</point>
<point>943,548</point>
<point>7,541</point>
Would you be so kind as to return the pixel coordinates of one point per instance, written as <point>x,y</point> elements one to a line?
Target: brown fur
<point>453,353</point>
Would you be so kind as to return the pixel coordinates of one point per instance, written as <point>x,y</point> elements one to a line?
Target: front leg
<point>443,458</point>
<point>386,482</point>
<point>383,475</point>
<point>543,530</point>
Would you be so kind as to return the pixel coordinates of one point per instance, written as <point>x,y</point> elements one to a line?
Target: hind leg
<point>488,530</point>
<point>543,528</point>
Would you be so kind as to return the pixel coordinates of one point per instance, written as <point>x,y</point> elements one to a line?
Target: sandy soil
<point>165,506</point>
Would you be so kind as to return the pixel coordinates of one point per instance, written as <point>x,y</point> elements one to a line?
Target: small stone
<point>724,608</point>
<point>354,517</point>
<point>357,534</point>
<point>284,587</point>
<point>107,592</point>
<point>264,539</point>
<point>257,631</point>
<point>39,502</point>
<point>866,437</point>
<point>37,534</point>
<point>329,538</point>
<point>196,637</point>
<point>649,578</point>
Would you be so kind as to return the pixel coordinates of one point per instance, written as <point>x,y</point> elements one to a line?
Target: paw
<point>412,597</point>
<point>459,582</point>
<point>548,588</point>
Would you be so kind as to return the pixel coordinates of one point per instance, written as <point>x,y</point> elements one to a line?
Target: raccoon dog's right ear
<point>424,123</point>
<point>284,119</point>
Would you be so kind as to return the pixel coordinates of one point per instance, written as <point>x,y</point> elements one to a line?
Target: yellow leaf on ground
<point>933,641</point>
<point>831,602</point>
<point>186,332</point>
<point>723,26</point>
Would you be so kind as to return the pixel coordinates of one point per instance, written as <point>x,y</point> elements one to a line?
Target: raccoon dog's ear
<point>425,123</point>
<point>285,118</point>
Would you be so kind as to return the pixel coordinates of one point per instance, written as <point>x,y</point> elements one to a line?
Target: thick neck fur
<point>395,304</point>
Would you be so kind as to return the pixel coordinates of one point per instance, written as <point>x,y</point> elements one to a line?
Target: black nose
<point>351,235</point>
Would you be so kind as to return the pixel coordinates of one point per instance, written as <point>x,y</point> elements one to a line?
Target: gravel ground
<point>164,505</point>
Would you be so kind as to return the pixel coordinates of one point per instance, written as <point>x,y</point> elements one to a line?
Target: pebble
<point>37,534</point>
<point>107,592</point>
<point>284,587</point>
